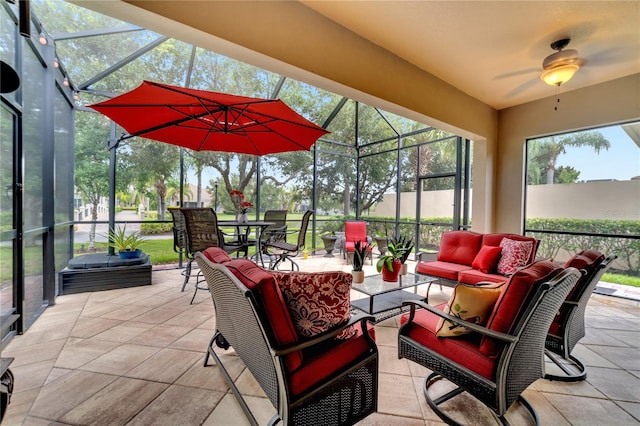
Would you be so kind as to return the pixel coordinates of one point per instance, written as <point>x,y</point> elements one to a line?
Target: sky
<point>620,162</point>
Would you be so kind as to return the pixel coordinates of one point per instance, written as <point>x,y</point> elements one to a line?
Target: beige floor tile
<point>121,359</point>
<point>64,394</point>
<point>211,377</point>
<point>633,408</point>
<point>161,335</point>
<point>195,340</point>
<point>591,411</point>
<point>33,353</point>
<point>615,384</point>
<point>397,396</point>
<point>165,366</point>
<point>18,409</point>
<point>229,413</point>
<point>96,309</point>
<point>627,358</point>
<point>30,376</point>
<point>157,315</point>
<point>179,405</point>
<point>191,318</point>
<point>389,362</point>
<point>78,352</point>
<point>87,327</point>
<point>126,312</point>
<point>116,403</point>
<point>124,332</point>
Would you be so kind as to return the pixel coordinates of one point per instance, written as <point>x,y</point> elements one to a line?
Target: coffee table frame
<point>385,298</point>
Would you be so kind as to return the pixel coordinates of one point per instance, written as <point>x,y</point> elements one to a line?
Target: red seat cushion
<point>514,299</point>
<point>216,255</point>
<point>445,270</point>
<point>463,350</point>
<point>473,276</point>
<point>263,285</point>
<point>319,363</point>
<point>459,247</point>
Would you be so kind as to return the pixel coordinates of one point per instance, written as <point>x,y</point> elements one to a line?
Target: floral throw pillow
<point>515,254</point>
<point>317,301</point>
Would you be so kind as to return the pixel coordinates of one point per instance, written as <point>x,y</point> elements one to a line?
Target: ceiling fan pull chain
<point>557,97</point>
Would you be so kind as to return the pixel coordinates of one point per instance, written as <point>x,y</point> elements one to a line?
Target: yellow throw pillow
<point>472,303</point>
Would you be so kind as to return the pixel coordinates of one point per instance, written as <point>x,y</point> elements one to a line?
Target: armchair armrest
<point>473,327</point>
<point>330,334</point>
<point>426,256</point>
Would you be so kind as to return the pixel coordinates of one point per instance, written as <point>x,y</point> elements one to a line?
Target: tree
<point>92,163</point>
<point>151,162</point>
<point>544,153</point>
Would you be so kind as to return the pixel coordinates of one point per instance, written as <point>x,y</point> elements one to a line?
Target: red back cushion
<point>513,300</point>
<point>355,231</point>
<point>487,259</point>
<point>589,261</point>
<point>459,247</point>
<point>216,255</point>
<point>267,292</point>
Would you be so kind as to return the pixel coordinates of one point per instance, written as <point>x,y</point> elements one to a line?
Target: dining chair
<point>203,232</point>
<point>280,250</point>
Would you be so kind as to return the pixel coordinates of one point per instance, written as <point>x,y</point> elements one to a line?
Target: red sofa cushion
<point>445,270</point>
<point>263,285</point>
<point>216,255</point>
<point>317,301</point>
<point>459,247</point>
<point>463,350</point>
<point>333,356</point>
<point>514,298</point>
<point>486,260</point>
<point>496,239</point>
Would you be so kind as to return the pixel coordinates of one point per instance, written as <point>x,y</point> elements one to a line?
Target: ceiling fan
<point>559,67</point>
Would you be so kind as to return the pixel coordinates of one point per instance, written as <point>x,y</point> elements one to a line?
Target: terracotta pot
<point>358,277</point>
<point>403,269</point>
<point>392,276</point>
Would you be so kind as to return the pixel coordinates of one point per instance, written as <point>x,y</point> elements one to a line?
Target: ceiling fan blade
<point>524,87</point>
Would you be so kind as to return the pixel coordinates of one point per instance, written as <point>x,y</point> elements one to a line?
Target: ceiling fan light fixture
<point>560,74</point>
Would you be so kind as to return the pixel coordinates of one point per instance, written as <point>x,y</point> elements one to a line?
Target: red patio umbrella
<point>210,121</point>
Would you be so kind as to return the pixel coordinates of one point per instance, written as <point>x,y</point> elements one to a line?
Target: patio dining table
<point>258,225</point>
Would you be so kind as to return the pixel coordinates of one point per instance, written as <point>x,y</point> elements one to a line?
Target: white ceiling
<point>493,50</point>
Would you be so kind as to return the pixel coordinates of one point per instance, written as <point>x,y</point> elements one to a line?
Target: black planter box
<point>95,272</point>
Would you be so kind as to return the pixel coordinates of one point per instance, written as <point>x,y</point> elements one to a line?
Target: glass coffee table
<point>384,299</point>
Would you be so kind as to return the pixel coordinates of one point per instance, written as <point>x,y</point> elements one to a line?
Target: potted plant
<point>391,263</point>
<point>403,246</point>
<point>359,255</point>
<point>127,246</point>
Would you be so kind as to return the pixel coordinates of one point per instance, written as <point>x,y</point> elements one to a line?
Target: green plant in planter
<point>121,242</point>
<point>360,254</point>
<point>403,246</point>
<point>393,253</point>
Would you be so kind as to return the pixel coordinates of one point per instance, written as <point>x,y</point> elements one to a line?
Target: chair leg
<point>573,368</point>
<point>187,273</point>
<point>434,403</point>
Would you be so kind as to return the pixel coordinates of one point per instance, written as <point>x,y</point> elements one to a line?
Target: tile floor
<point>135,356</point>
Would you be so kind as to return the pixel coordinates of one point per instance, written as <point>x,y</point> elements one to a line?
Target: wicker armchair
<point>279,250</point>
<point>567,327</point>
<point>320,380</point>
<point>497,362</point>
